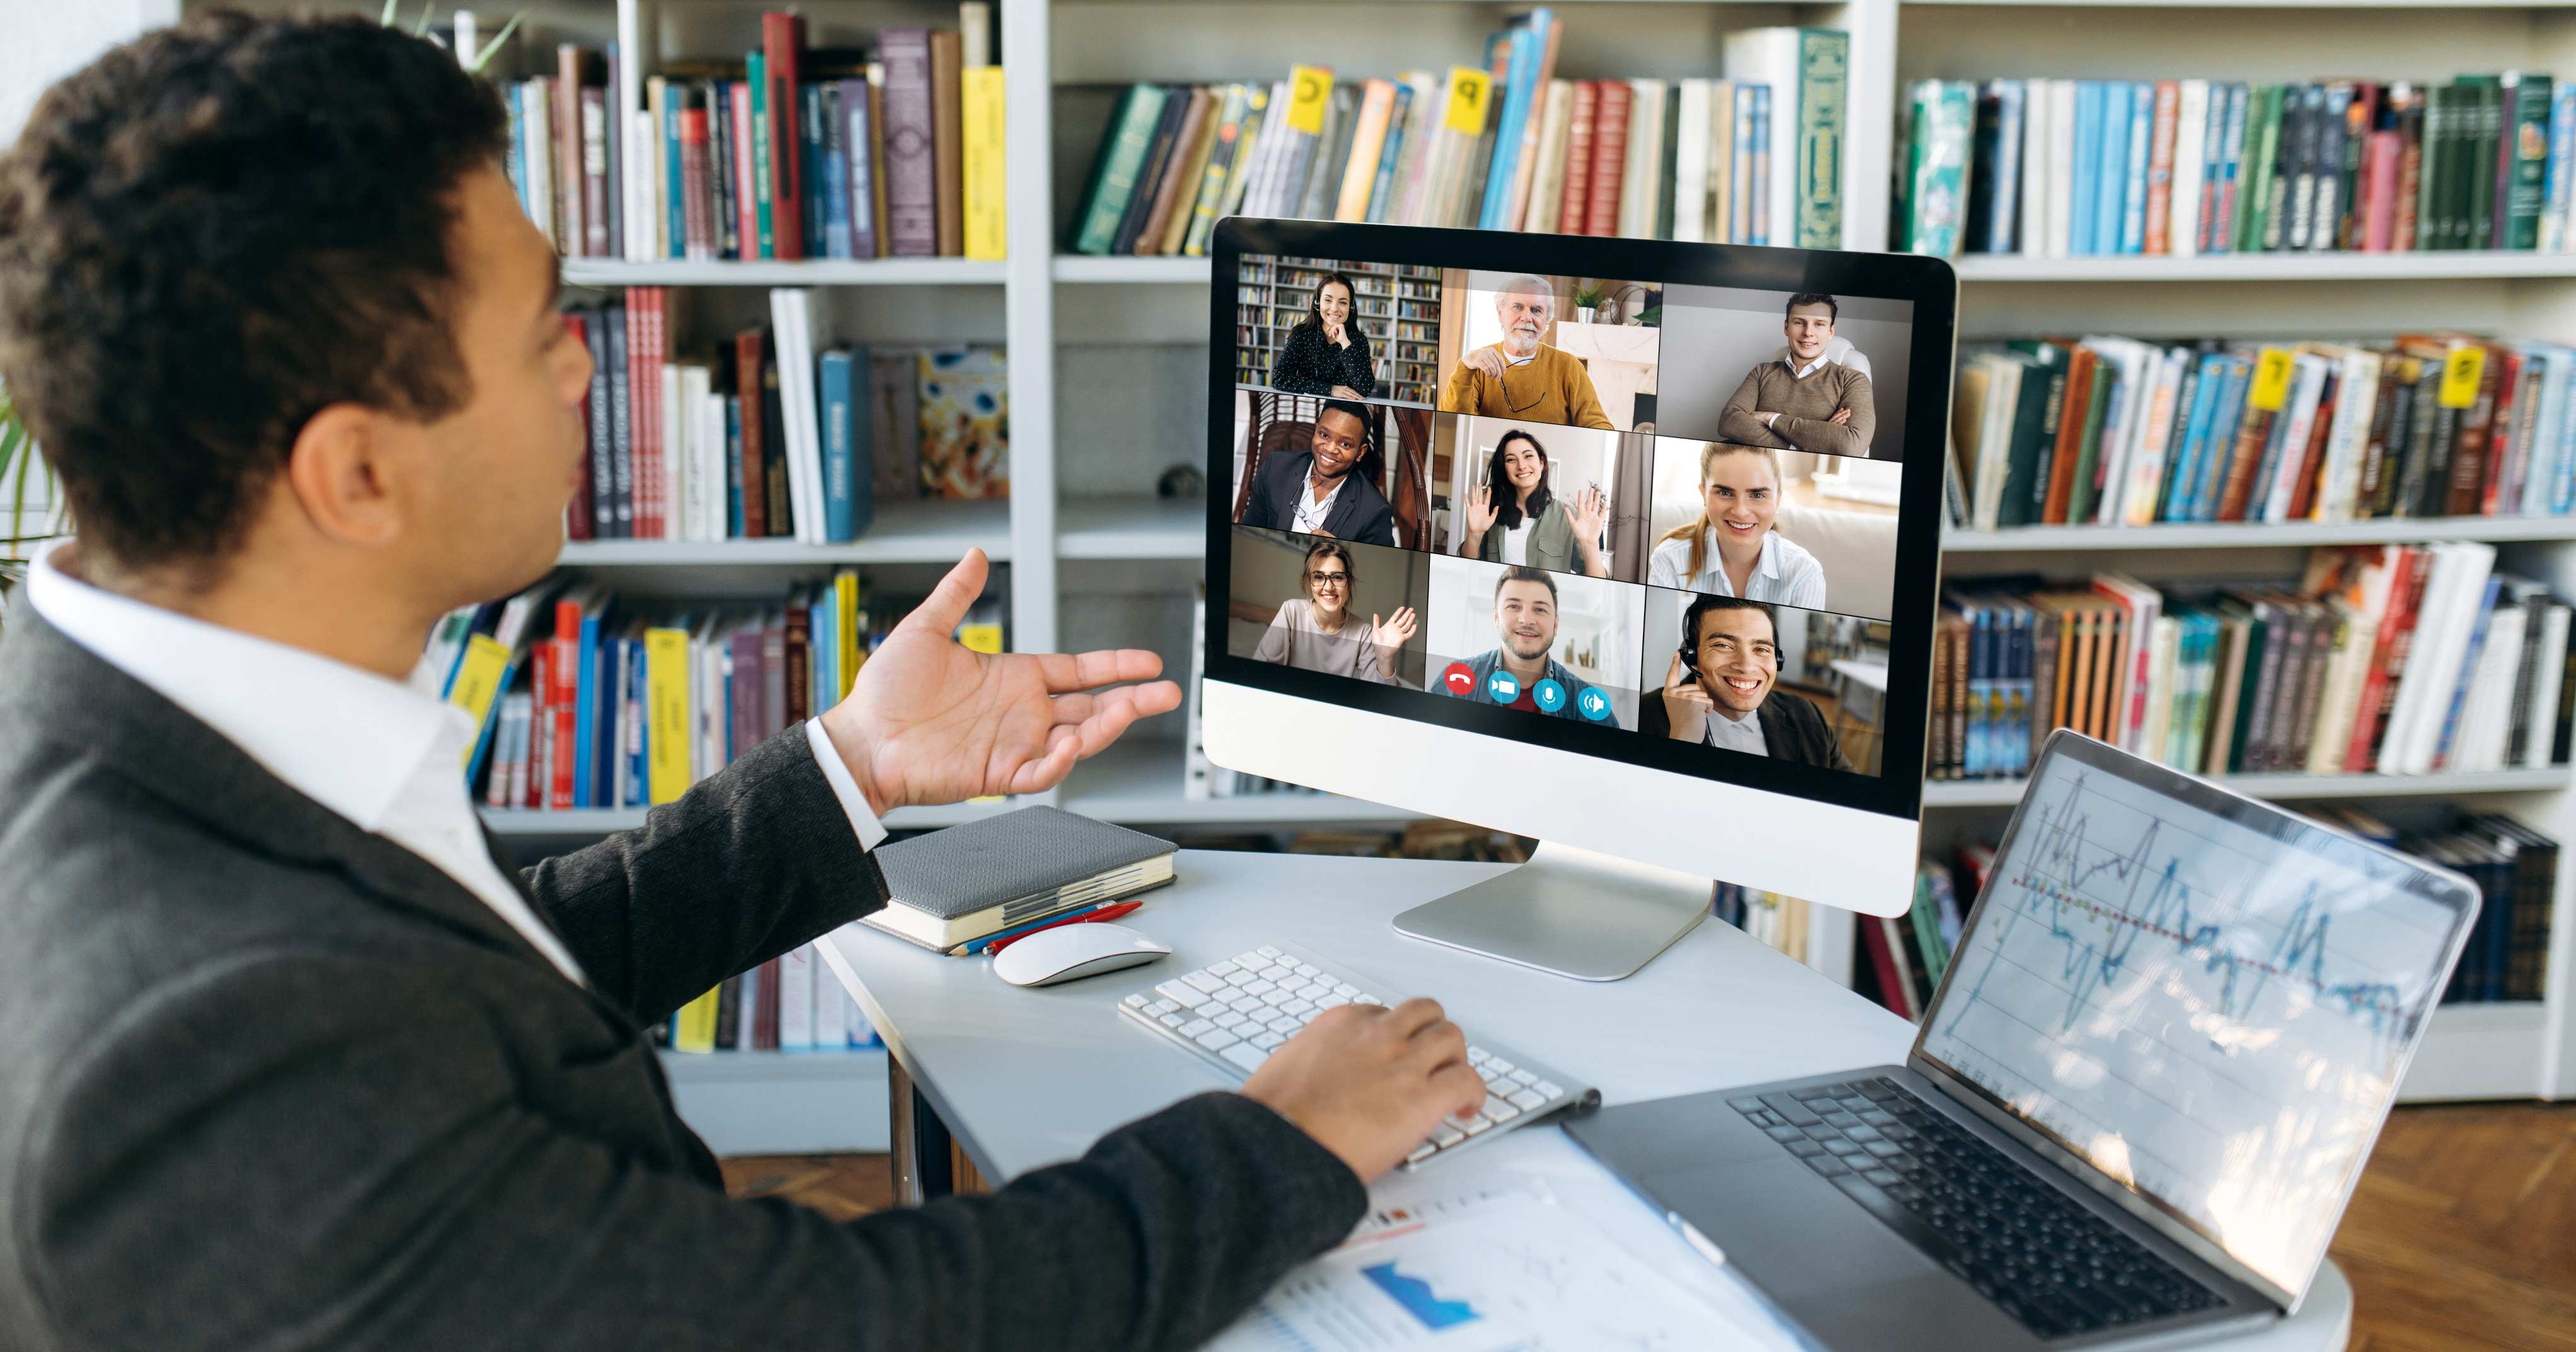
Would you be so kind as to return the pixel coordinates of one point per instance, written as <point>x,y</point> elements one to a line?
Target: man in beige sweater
<point>1522,377</point>
<point>1803,401</point>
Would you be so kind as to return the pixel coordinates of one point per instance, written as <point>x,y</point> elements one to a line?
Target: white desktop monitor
<point>1664,520</point>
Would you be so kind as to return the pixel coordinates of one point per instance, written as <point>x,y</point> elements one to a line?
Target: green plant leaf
<point>493,48</point>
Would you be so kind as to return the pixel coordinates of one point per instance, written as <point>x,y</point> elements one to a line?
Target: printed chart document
<point>1502,1271</point>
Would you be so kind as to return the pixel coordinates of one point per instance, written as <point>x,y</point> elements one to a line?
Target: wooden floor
<point>2462,1239</point>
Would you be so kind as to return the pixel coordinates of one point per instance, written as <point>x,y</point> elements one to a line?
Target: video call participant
<point>1317,633</point>
<point>1525,524</point>
<point>1316,492</point>
<point>1803,401</point>
<point>1730,548</point>
<point>1326,353</point>
<point>1522,377</point>
<point>1721,689</point>
<point>1525,621</point>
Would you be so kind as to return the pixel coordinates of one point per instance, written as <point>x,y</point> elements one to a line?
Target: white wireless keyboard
<point>1233,1014</point>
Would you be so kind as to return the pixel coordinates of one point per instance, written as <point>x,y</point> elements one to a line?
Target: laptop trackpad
<point>1792,1233</point>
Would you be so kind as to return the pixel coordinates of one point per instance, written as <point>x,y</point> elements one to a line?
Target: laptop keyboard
<point>2045,1260</point>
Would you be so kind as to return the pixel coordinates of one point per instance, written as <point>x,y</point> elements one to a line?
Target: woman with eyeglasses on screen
<point>1319,632</point>
<point>1513,519</point>
<point>1730,548</point>
<point>1326,353</point>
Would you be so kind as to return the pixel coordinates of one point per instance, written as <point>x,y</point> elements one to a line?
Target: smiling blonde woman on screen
<point>1730,548</point>
<point>1317,633</point>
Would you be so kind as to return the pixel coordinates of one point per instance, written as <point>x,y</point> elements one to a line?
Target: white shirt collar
<point>1510,360</point>
<point>1766,566</point>
<point>1308,509</point>
<point>1791,362</point>
<point>346,738</point>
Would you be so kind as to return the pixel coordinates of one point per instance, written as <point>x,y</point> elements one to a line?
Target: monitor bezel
<point>2432,883</point>
<point>1929,284</point>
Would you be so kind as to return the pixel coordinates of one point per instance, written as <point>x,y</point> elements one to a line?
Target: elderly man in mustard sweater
<point>1803,401</point>
<point>1522,377</point>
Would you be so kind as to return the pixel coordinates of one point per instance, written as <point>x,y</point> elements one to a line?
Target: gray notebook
<point>968,881</point>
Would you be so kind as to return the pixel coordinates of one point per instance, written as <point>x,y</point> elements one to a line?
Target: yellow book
<point>696,1031</point>
<point>667,721</point>
<point>479,674</point>
<point>850,621</point>
<point>984,104</point>
<point>983,637</point>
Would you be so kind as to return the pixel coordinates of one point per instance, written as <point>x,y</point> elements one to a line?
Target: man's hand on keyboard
<point>1369,1082</point>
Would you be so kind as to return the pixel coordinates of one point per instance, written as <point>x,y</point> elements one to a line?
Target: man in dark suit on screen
<point>1325,490</point>
<point>292,1061</point>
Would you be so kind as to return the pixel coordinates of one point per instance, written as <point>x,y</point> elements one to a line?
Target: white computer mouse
<point>1070,952</point>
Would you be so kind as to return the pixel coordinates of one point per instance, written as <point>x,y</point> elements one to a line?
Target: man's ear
<point>339,471</point>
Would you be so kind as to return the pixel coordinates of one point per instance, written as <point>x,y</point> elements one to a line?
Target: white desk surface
<point>1030,1077</point>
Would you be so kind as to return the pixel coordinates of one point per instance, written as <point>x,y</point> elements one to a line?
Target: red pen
<point>1087,917</point>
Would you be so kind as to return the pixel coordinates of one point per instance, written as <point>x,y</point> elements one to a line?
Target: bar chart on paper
<point>1504,1273</point>
<point>2212,1012</point>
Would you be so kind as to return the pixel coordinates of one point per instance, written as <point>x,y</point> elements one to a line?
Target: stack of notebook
<point>961,890</point>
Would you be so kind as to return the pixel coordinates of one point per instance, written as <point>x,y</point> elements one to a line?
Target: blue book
<point>675,203</point>
<point>599,691</point>
<point>734,529</point>
<point>1382,192</point>
<point>848,470</point>
<point>826,663</point>
<point>2222,226</point>
<point>2459,686</point>
<point>639,750</point>
<point>511,158</point>
<point>2004,183</point>
<point>2560,183</point>
<point>2133,194</point>
<point>585,719</point>
<point>2111,175</point>
<point>836,177</point>
<point>2173,498</point>
<point>1520,81</point>
<point>2087,194</point>
<point>2210,480</point>
<point>809,134</point>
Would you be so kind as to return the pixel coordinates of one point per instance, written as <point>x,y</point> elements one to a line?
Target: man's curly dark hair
<point>215,231</point>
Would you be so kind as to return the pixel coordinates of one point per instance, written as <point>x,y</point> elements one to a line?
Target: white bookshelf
<point>1102,529</point>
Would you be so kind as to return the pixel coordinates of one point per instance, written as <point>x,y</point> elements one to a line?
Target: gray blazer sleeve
<point>317,1148</point>
<point>751,863</point>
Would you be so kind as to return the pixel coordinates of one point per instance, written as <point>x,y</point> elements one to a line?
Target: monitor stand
<point>1573,912</point>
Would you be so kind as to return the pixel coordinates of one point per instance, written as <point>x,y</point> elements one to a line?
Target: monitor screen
<point>1671,505</point>
<point>2209,999</point>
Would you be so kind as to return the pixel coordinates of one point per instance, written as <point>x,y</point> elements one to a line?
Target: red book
<point>2379,204</point>
<point>746,210</point>
<point>764,1018</point>
<point>643,464</point>
<point>755,478</point>
<point>570,238</point>
<point>541,723</point>
<point>657,355</point>
<point>2303,492</point>
<point>1574,207</point>
<point>782,36</point>
<point>566,697</point>
<point>2160,166</point>
<point>697,200</point>
<point>1609,157</point>
<point>2387,660</point>
<point>2509,388</point>
<point>1877,935</point>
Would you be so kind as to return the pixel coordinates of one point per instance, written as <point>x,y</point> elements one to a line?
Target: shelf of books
<point>778,1059</point>
<point>2289,787</point>
<point>2290,267</point>
<point>2252,535</point>
<point>607,272</point>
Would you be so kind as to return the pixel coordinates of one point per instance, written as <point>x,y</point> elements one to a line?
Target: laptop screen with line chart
<point>2207,998</point>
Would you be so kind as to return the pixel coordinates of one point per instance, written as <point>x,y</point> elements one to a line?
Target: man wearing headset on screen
<point>1722,689</point>
<point>1522,377</point>
<point>1520,674</point>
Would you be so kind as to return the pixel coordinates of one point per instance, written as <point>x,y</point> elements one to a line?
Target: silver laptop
<point>2165,1040</point>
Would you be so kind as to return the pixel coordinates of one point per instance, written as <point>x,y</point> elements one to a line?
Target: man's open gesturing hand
<point>929,721</point>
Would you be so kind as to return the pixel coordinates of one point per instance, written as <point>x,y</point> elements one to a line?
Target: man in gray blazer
<point>291,1062</point>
